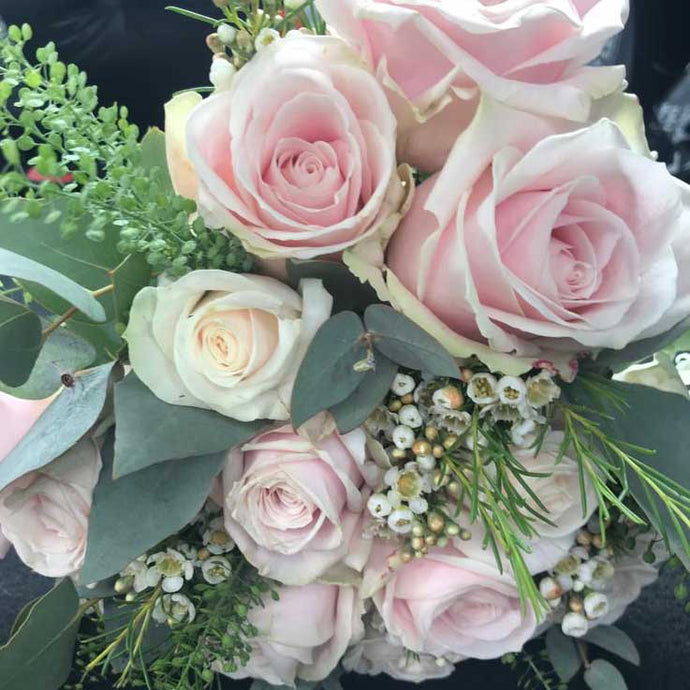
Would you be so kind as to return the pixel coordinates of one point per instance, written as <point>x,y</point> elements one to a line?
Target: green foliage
<point>354,410</point>
<point>329,372</point>
<point>75,411</point>
<point>563,654</point>
<point>38,655</point>
<point>603,675</point>
<point>23,269</point>
<point>615,641</point>
<point>20,341</point>
<point>119,189</point>
<point>151,431</point>
<point>147,506</point>
<point>534,671</point>
<point>407,344</point>
<point>654,425</point>
<point>63,354</point>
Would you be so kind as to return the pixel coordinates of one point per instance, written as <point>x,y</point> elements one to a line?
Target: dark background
<point>139,55</point>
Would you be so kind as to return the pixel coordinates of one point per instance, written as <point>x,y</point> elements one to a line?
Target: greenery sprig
<point>97,176</point>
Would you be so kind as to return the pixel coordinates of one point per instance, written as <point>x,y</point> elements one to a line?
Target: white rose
<point>225,341</point>
<point>44,514</point>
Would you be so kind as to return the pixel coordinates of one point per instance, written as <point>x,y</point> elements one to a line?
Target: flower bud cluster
<point>178,566</point>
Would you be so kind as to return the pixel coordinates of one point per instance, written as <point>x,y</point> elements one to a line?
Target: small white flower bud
<point>578,585</point>
<point>222,73</point>
<point>401,520</point>
<point>426,462</point>
<point>402,384</point>
<point>379,505</point>
<point>565,582</point>
<point>574,625</point>
<point>418,505</point>
<point>403,437</point>
<point>596,605</point>
<point>227,34</point>
<point>511,390</point>
<point>394,498</point>
<point>265,38</point>
<point>555,603</point>
<point>550,589</point>
<point>216,570</point>
<point>448,397</point>
<point>409,416</point>
<point>482,389</point>
<point>391,477</point>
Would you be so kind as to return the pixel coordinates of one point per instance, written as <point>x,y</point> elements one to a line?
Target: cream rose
<point>303,635</point>
<point>448,605</point>
<point>543,240</point>
<point>434,56</point>
<point>45,513</point>
<point>294,507</point>
<point>224,341</point>
<point>298,158</point>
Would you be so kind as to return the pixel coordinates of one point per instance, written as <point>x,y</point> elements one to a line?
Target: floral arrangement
<point>366,364</point>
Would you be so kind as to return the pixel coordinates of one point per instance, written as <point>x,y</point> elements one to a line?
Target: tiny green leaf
<point>563,654</point>
<point>602,675</point>
<point>406,343</point>
<point>151,431</point>
<point>614,640</point>
<point>69,417</point>
<point>21,268</point>
<point>38,656</point>
<point>20,342</point>
<point>327,375</point>
<point>353,411</point>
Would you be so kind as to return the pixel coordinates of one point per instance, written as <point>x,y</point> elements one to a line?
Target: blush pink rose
<point>17,416</point>
<point>44,514</point>
<point>542,240</point>
<point>294,507</point>
<point>298,157</point>
<point>303,635</point>
<point>451,606</point>
<point>436,54</point>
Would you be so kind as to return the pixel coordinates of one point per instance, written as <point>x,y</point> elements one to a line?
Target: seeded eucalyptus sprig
<point>99,177</point>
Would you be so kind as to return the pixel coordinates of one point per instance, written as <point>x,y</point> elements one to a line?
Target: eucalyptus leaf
<point>21,268</point>
<point>406,343</point>
<point>563,654</point>
<point>354,410</point>
<point>153,154</point>
<point>327,375</point>
<point>93,265</point>
<point>603,675</point>
<point>146,507</point>
<point>62,353</point>
<point>38,656</point>
<point>348,292</point>
<point>20,342</point>
<point>150,431</point>
<point>614,640</point>
<point>65,421</point>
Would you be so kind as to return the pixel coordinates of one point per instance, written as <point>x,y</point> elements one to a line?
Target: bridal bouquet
<point>341,373</point>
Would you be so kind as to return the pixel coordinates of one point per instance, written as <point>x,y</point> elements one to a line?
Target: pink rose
<point>543,241</point>
<point>44,514</point>
<point>449,605</point>
<point>298,157</point>
<point>294,507</point>
<point>303,635</point>
<point>433,55</point>
<point>17,416</point>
